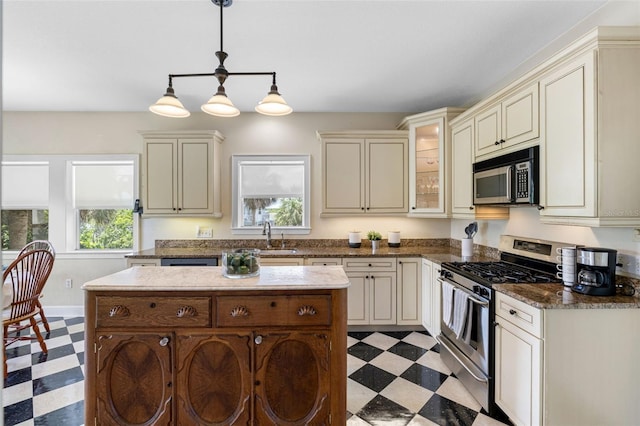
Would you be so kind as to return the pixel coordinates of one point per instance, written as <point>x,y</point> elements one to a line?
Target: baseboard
<point>64,311</point>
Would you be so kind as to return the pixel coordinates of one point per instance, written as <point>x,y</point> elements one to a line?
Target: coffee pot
<point>596,271</point>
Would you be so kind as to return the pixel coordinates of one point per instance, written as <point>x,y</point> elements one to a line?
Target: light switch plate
<point>204,232</point>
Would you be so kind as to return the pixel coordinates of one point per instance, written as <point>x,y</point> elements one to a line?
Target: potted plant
<point>375,238</point>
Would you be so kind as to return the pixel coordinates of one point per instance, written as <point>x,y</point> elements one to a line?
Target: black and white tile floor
<point>395,378</point>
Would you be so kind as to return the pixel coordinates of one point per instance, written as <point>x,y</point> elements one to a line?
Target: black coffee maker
<point>596,268</point>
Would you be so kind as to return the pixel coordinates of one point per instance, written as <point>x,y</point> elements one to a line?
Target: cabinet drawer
<point>519,314</point>
<point>239,311</point>
<point>370,264</point>
<point>145,312</point>
<point>323,261</point>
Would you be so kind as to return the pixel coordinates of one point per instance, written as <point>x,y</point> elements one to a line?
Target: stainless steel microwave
<point>508,179</point>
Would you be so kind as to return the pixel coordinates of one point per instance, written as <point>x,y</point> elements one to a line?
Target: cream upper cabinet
<point>430,162</point>
<point>181,174</point>
<point>589,149</point>
<point>364,173</point>
<point>507,125</point>
<point>462,177</point>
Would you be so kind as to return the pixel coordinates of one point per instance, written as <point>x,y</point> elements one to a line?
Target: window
<point>271,188</point>
<point>103,199</point>
<point>76,202</point>
<point>25,203</point>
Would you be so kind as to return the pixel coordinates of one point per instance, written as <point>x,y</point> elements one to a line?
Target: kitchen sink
<point>278,251</point>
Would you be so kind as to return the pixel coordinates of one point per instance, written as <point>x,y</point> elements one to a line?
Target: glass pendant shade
<point>169,106</point>
<point>220,106</point>
<point>273,104</point>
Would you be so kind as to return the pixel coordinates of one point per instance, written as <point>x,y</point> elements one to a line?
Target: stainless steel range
<point>467,309</point>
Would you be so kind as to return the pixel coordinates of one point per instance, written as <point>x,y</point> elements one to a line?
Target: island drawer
<point>148,311</point>
<point>243,311</point>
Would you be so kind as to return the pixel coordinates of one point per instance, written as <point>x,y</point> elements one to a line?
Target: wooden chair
<point>40,245</point>
<point>27,276</point>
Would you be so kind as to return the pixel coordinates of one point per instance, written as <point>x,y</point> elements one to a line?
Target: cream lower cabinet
<point>181,174</point>
<point>372,293</point>
<point>430,297</point>
<point>566,366</point>
<point>589,146</point>
<point>364,173</point>
<point>409,282</point>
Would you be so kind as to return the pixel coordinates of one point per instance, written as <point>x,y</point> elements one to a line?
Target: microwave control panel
<point>522,181</point>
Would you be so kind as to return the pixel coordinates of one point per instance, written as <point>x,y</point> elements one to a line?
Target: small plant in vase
<point>375,238</point>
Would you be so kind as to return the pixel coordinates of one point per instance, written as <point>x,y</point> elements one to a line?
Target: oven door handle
<point>462,362</point>
<point>471,296</point>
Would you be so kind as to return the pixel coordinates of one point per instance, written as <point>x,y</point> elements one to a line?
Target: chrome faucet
<point>266,232</point>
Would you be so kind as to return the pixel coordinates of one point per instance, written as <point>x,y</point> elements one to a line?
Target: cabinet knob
<point>362,208</point>
<point>164,341</point>
<point>502,141</point>
<point>540,207</point>
<point>496,143</point>
<point>512,311</point>
<point>413,208</point>
<point>258,339</point>
<point>470,207</point>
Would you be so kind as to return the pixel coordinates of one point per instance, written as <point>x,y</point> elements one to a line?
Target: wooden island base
<point>215,357</point>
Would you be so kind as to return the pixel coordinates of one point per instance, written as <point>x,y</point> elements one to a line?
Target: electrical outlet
<point>68,283</point>
<point>203,232</point>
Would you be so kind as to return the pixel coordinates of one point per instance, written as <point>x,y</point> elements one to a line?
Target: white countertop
<point>181,278</point>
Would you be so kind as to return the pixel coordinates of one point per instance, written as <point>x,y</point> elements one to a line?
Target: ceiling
<point>329,55</point>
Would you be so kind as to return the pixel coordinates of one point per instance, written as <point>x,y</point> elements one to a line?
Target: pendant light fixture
<point>219,104</point>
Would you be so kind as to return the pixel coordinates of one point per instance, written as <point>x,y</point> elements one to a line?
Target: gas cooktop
<point>501,272</point>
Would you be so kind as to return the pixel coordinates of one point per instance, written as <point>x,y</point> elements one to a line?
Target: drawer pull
<point>119,311</point>
<point>164,341</point>
<point>187,311</point>
<point>258,340</point>
<point>239,311</point>
<point>306,310</point>
<point>513,311</point>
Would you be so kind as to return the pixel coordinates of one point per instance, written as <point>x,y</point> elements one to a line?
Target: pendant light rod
<point>219,104</point>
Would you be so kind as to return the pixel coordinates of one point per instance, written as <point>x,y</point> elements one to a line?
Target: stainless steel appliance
<point>508,179</point>
<point>596,271</point>
<point>468,350</point>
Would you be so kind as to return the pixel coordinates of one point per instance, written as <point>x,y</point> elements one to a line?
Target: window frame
<point>236,164</point>
<point>63,221</point>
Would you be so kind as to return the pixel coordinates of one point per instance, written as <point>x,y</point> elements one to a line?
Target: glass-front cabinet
<point>430,162</point>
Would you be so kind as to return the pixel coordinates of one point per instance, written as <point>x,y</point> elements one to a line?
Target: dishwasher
<point>196,261</point>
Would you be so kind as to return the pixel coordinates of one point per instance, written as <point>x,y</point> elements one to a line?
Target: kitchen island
<point>186,345</point>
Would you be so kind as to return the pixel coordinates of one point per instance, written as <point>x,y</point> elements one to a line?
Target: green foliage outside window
<point>289,213</point>
<point>106,229</point>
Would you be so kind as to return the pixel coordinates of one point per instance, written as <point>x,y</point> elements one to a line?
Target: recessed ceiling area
<point>329,56</point>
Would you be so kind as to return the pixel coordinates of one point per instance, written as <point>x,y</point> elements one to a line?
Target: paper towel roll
<point>467,247</point>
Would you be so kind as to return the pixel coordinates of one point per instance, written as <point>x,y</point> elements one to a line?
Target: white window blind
<point>103,184</point>
<point>25,185</point>
<point>275,180</point>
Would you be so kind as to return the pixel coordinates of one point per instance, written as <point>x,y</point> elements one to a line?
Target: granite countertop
<point>435,254</point>
<point>556,296</point>
<point>210,278</point>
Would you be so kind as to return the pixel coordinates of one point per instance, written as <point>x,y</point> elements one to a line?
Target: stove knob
<point>445,274</point>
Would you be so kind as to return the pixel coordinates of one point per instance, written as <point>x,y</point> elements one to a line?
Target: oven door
<point>493,186</point>
<point>469,359</point>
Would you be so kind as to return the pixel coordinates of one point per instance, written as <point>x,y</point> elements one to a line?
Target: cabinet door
<point>214,379</point>
<point>160,176</point>
<point>488,126</point>
<point>358,298</point>
<point>292,378</point>
<point>462,189</point>
<point>518,370</point>
<point>195,181</point>
<point>567,145</point>
<point>343,176</point>
<point>426,167</point>
<point>409,310</point>
<point>386,172</point>
<point>427,284</point>
<point>435,300</point>
<point>520,121</point>
<point>382,298</point>
<point>134,379</point>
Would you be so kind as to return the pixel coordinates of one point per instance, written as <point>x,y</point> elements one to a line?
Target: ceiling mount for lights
<point>219,104</point>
